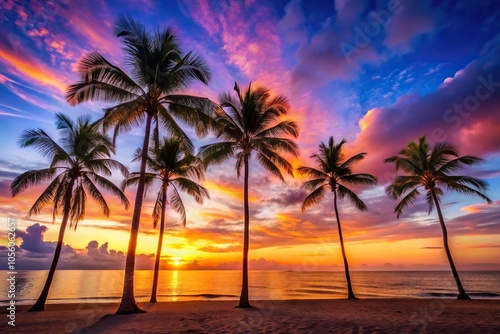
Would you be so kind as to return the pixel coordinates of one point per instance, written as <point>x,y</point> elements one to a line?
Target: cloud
<point>35,253</point>
<point>461,111</point>
<point>291,197</point>
<point>413,19</point>
<point>291,25</point>
<point>259,264</point>
<point>249,42</point>
<point>226,249</point>
<point>18,60</point>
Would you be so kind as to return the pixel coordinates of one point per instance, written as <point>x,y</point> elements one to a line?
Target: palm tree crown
<point>174,165</point>
<point>75,168</point>
<point>250,122</point>
<point>334,174</point>
<point>159,70</point>
<point>432,168</point>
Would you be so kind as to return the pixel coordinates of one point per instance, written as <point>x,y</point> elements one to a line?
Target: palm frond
<point>133,180</point>
<point>343,192</point>
<point>78,201</point>
<point>281,145</point>
<point>47,196</point>
<point>96,195</point>
<point>192,188</point>
<point>31,178</point>
<point>408,200</point>
<point>314,183</point>
<point>43,143</point>
<point>283,128</point>
<point>277,160</point>
<point>352,160</point>
<point>178,205</point>
<point>311,172</point>
<point>464,189</point>
<point>216,153</point>
<point>173,127</point>
<point>196,112</point>
<point>361,179</point>
<point>270,165</point>
<point>313,198</point>
<point>109,186</point>
<point>159,207</point>
<point>456,164</point>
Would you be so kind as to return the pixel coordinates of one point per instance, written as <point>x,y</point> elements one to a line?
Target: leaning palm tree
<point>76,163</point>
<point>174,165</point>
<point>334,173</point>
<point>433,169</point>
<point>159,70</point>
<point>251,122</point>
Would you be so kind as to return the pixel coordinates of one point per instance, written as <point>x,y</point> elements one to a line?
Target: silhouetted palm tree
<point>174,165</point>
<point>432,168</point>
<point>159,70</point>
<point>334,173</point>
<point>252,123</point>
<point>84,152</point>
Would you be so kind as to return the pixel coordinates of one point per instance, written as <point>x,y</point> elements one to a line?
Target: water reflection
<point>71,286</point>
<point>174,284</point>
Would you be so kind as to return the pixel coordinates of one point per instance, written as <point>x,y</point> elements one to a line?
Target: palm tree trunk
<point>160,242</point>
<point>244,302</point>
<point>127,303</point>
<point>40,303</point>
<point>461,291</point>
<point>350,293</point>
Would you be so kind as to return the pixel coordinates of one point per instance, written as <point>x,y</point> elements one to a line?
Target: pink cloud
<point>18,61</point>
<point>250,43</point>
<point>253,44</point>
<point>462,111</point>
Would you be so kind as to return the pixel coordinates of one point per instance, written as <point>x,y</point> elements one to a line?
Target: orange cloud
<point>228,190</point>
<point>33,71</point>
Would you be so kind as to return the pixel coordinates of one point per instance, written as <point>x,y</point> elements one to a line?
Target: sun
<point>176,261</point>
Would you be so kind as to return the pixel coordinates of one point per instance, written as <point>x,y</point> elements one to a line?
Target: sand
<point>299,316</point>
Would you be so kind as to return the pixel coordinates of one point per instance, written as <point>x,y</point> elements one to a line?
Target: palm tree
<point>174,165</point>
<point>159,70</point>
<point>252,123</point>
<point>334,173</point>
<point>432,168</point>
<point>84,152</point>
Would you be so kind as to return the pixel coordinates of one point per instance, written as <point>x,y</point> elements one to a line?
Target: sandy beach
<point>299,316</point>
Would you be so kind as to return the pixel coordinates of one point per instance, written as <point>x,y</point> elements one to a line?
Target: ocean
<point>96,286</point>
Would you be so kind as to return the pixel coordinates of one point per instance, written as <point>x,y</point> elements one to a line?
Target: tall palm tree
<point>432,168</point>
<point>159,70</point>
<point>174,165</point>
<point>76,163</point>
<point>334,173</point>
<point>247,123</point>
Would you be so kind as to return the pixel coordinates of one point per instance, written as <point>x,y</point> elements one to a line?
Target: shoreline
<point>270,316</point>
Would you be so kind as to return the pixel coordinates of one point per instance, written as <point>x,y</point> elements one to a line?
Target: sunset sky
<point>377,73</point>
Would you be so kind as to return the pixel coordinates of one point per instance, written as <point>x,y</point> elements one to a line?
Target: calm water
<point>71,286</point>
